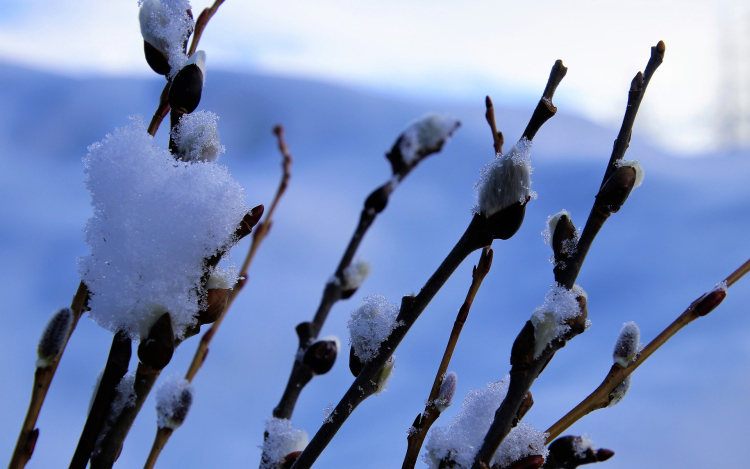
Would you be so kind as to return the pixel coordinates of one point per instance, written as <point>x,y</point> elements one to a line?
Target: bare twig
<point>258,237</point>
<point>114,370</point>
<point>424,421</point>
<point>480,233</point>
<point>42,379</point>
<point>162,435</point>
<point>200,25</point>
<point>333,290</point>
<point>600,398</point>
<point>524,367</point>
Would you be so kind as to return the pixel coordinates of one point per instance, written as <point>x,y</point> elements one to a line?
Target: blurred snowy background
<point>344,78</point>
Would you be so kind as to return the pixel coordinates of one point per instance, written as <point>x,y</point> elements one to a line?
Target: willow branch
<point>258,236</point>
<point>162,435</point>
<point>476,236</point>
<point>431,413</point>
<point>600,398</point>
<point>114,370</point>
<point>480,233</point>
<point>28,435</point>
<point>524,367</point>
<point>334,290</point>
<point>200,25</point>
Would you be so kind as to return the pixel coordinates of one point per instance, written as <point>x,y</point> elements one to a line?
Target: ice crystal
<point>197,138</point>
<point>282,440</point>
<point>506,180</point>
<point>370,325</point>
<point>166,25</point>
<point>173,399</point>
<point>549,320</point>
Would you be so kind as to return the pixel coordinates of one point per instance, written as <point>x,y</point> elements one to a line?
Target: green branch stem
<point>600,398</point>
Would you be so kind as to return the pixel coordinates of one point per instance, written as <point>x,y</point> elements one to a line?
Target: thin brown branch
<point>258,237</point>
<point>600,398</point>
<point>333,290</point>
<point>42,379</point>
<point>114,370</point>
<point>201,23</point>
<point>481,232</point>
<point>431,413</point>
<point>162,436</point>
<point>497,136</point>
<point>161,111</point>
<point>108,449</point>
<point>545,109</point>
<point>612,194</point>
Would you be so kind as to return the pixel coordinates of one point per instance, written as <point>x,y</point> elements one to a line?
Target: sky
<point>442,49</point>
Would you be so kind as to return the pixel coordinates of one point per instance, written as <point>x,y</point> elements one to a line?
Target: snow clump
<point>155,222</point>
<point>371,324</point>
<point>197,138</point>
<point>549,320</point>
<point>173,399</point>
<point>505,181</point>
<point>426,135</point>
<point>460,440</point>
<point>166,25</point>
<point>283,439</point>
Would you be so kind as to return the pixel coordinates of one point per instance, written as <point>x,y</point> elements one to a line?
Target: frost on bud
<point>421,138</point>
<point>320,356</point>
<point>197,138</point>
<point>354,275</point>
<point>165,27</point>
<point>573,451</point>
<point>53,337</point>
<point>173,399</point>
<point>627,345</point>
<point>616,189</point>
<point>157,349</point>
<point>619,392</point>
<point>504,188</point>
<point>385,375</point>
<point>282,443</point>
<point>447,391</point>
<point>559,315</point>
<point>370,325</point>
<point>187,85</point>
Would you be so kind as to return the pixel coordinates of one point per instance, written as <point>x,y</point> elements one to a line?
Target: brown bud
<point>505,223</point>
<point>616,190</point>
<point>526,405</point>
<point>522,353</point>
<point>529,462</point>
<point>710,301</point>
<point>249,221</point>
<point>187,85</point>
<point>156,59</point>
<point>355,364</point>
<point>216,303</point>
<point>157,350</point>
<point>289,460</point>
<point>573,451</point>
<point>321,356</point>
<point>378,199</point>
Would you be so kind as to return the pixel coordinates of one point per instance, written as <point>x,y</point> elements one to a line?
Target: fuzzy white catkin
<point>447,391</point>
<point>370,325</point>
<point>560,305</point>
<point>282,440</point>
<point>627,344</point>
<point>426,134</point>
<point>618,394</point>
<point>385,375</point>
<point>506,180</point>
<point>636,165</point>
<point>53,337</point>
<point>197,137</point>
<point>460,440</point>
<point>355,274</point>
<point>166,25</point>
<point>173,399</point>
